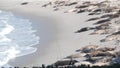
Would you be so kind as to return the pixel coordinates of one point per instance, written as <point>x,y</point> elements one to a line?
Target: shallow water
<point>16,37</point>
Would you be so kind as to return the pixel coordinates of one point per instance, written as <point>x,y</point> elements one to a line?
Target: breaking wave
<point>17,37</point>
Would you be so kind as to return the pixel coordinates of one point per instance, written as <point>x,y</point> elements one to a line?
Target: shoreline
<point>61,42</point>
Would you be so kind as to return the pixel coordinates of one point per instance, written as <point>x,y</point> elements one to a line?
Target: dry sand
<point>55,28</point>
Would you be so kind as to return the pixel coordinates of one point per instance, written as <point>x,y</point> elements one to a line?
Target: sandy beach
<point>56,30</point>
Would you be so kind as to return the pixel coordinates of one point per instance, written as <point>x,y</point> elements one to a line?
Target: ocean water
<point>17,37</point>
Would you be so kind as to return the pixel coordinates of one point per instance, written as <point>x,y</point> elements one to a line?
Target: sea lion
<point>102,21</point>
<point>81,11</point>
<point>84,29</point>
<point>82,6</point>
<point>109,38</point>
<point>24,3</point>
<point>45,5</point>
<point>87,49</point>
<point>92,19</point>
<point>72,3</point>
<point>65,62</point>
<point>106,16</point>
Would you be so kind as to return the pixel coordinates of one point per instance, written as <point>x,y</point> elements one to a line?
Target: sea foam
<point>17,37</point>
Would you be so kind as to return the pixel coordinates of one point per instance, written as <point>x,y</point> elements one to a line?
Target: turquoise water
<point>17,37</point>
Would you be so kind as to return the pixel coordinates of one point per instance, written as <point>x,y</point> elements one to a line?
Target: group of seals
<point>92,53</point>
<point>105,13</point>
<point>95,54</point>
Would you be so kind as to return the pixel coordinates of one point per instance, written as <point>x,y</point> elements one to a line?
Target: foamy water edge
<point>17,37</point>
